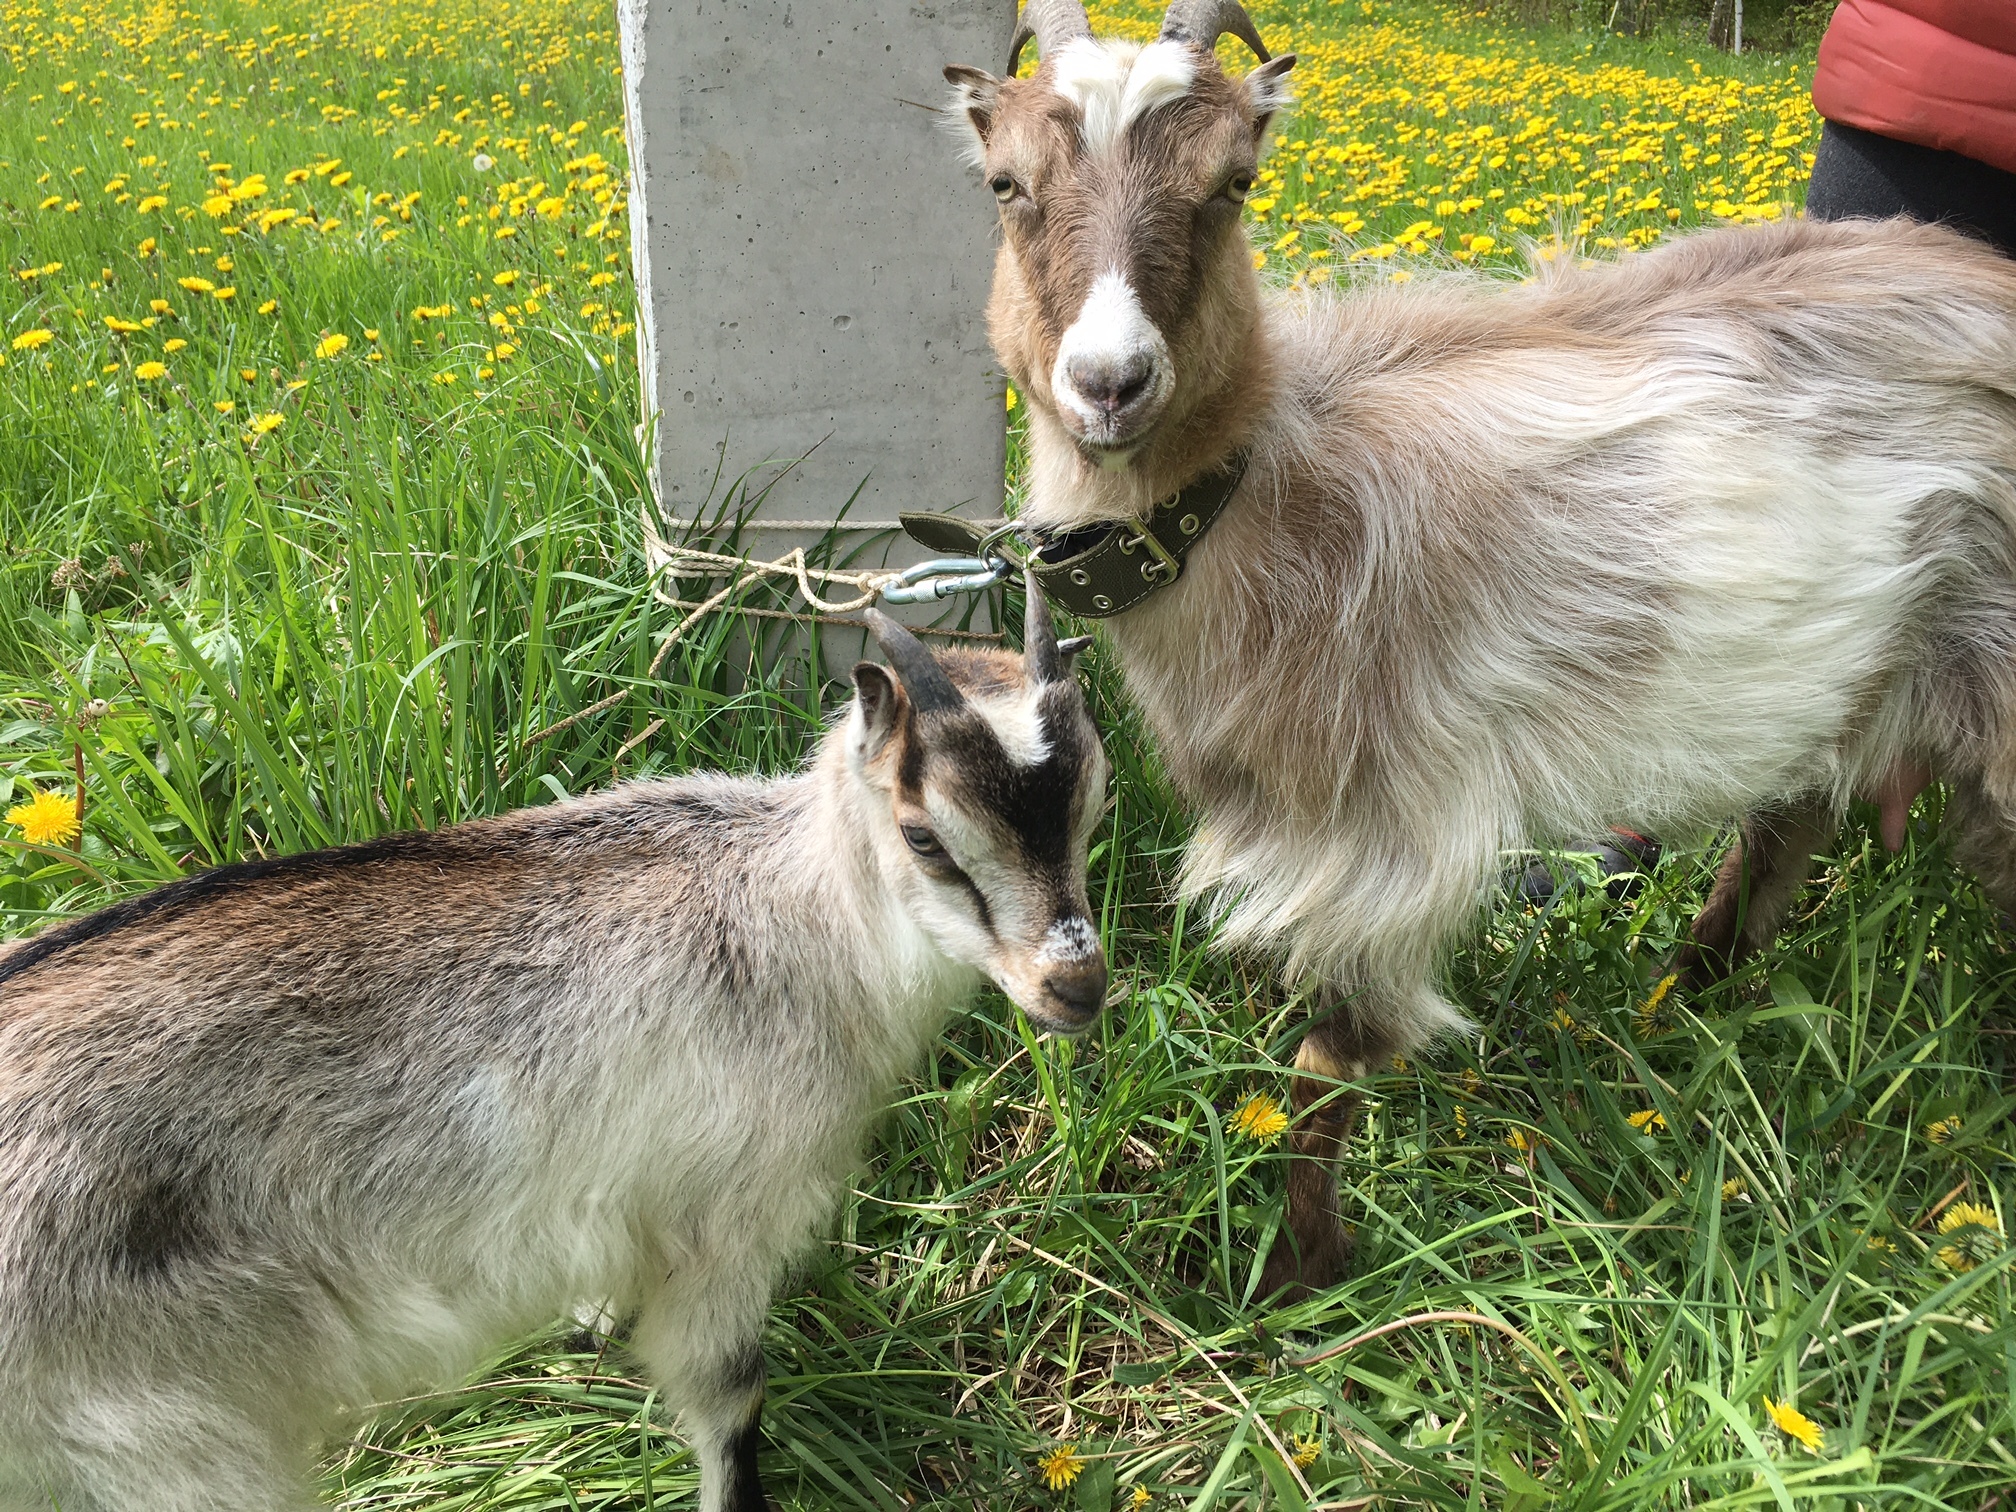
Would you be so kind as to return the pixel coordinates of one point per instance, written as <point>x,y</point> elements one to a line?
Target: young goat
<point>289,1138</point>
<point>1723,528</point>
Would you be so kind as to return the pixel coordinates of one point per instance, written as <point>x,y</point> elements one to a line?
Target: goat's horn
<point>929,689</point>
<point>1052,23</point>
<point>1200,23</point>
<point>1039,635</point>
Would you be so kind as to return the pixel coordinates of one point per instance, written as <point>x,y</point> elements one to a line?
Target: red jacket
<point>1941,73</point>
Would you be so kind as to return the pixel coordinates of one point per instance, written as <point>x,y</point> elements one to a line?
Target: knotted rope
<point>667,560</point>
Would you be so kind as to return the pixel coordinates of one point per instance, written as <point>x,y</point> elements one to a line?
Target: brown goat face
<point>1123,279</point>
<point>992,800</point>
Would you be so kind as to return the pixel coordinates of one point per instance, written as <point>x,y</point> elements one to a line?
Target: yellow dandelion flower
<point>505,279</point>
<point>45,819</point>
<point>1305,1448</point>
<point>1140,1498</point>
<point>444,379</point>
<point>1011,387</point>
<point>261,425</point>
<point>1964,1214</point>
<point>370,333</point>
<point>1941,1130</point>
<point>1658,994</point>
<point>1733,1188</point>
<point>1259,1118</point>
<point>223,406</point>
<point>1794,1424</point>
<point>269,307</point>
<point>121,327</point>
<point>160,307</point>
<point>296,176</point>
<point>1522,1141</point>
<point>1647,1120</point>
<point>248,374</point>
<point>1060,1466</point>
<point>149,371</point>
<point>1975,1235</point>
<point>152,203</point>
<point>196,285</point>
<point>27,341</point>
<point>173,344</point>
<point>227,292</point>
<point>217,205</point>
<point>332,344</point>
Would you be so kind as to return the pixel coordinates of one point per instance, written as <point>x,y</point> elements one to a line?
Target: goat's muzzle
<point>1073,996</point>
<point>1112,386</point>
<point>1113,373</point>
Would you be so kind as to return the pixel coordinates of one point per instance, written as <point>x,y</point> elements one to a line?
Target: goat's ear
<point>1267,92</point>
<point>1070,646</point>
<point>880,699</point>
<point>975,93</point>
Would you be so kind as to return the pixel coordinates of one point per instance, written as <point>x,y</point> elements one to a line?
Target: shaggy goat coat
<point>1721,527</point>
<point>285,1140</point>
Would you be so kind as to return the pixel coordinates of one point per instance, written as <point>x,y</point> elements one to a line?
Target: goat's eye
<point>921,840</point>
<point>1238,187</point>
<point>1003,187</point>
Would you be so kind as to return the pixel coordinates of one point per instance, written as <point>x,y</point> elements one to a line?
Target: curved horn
<point>929,689</point>
<point>1052,23</point>
<point>1200,23</point>
<point>1039,635</point>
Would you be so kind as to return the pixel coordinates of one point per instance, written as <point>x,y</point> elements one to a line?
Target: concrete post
<point>812,262</point>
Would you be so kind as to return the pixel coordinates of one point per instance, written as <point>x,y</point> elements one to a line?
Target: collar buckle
<point>1163,567</point>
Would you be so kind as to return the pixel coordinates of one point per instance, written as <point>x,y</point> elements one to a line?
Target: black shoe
<point>1624,857</point>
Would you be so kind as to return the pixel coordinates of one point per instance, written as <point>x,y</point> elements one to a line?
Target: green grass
<point>361,620</point>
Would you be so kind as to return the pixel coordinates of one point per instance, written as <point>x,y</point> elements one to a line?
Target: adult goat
<point>285,1139</point>
<point>1723,528</point>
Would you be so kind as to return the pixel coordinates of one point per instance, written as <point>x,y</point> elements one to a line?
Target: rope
<point>667,560</point>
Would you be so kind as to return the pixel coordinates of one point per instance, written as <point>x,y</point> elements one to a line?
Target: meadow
<point>320,507</point>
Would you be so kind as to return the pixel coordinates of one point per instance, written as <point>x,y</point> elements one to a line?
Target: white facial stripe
<point>1067,941</point>
<point>1018,724</point>
<point>1111,327</point>
<point>1116,83</point>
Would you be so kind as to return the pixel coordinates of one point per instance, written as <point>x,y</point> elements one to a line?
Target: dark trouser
<point>1857,173</point>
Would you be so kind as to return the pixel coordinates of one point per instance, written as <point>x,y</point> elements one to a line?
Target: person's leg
<point>1858,174</point>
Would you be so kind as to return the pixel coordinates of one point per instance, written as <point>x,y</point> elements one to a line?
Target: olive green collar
<point>1106,569</point>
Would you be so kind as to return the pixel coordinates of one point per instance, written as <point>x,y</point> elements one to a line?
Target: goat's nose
<point>1111,383</point>
<point>1079,988</point>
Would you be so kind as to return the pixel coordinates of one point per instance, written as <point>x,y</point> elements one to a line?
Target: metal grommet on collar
<point>1188,524</point>
<point>1080,576</point>
<point>1101,602</point>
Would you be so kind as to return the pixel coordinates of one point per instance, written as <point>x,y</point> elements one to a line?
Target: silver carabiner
<point>941,577</point>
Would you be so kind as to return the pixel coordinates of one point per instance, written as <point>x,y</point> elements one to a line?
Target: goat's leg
<point>1759,877</point>
<point>1313,1249</point>
<point>702,1340</point>
<point>1983,832</point>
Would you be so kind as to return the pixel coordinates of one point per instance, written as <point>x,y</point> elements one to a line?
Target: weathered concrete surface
<point>812,260</point>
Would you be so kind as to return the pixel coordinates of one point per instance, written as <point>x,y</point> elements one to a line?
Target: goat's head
<point>1123,286</point>
<point>993,777</point>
